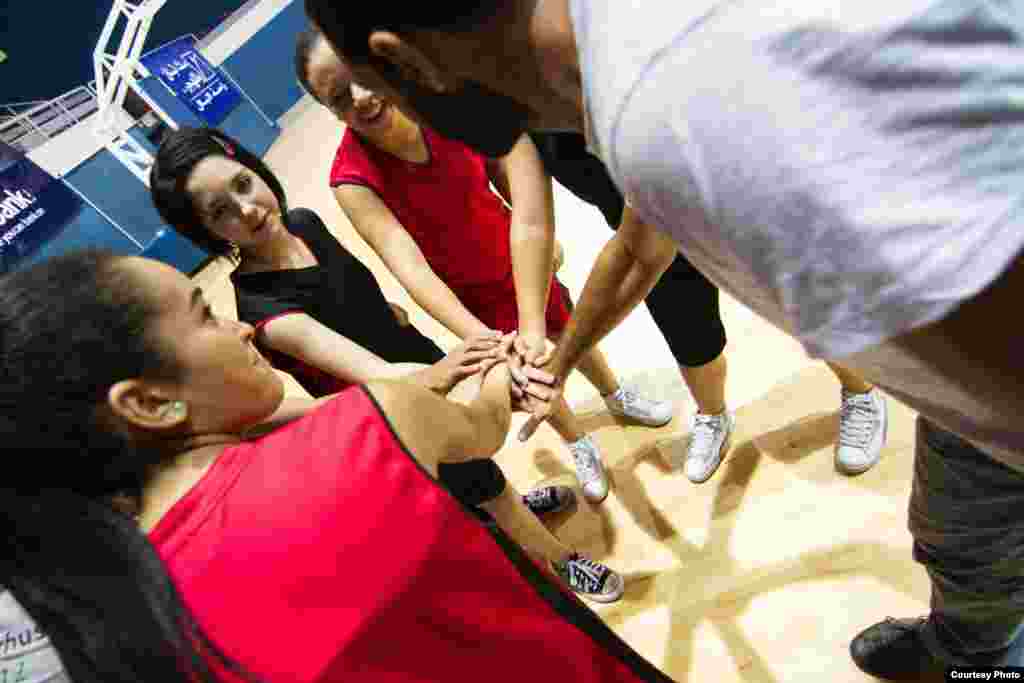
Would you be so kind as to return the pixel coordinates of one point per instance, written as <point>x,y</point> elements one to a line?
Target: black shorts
<point>472,482</point>
<point>684,303</point>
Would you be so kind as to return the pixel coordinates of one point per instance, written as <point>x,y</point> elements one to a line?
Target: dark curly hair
<point>70,328</point>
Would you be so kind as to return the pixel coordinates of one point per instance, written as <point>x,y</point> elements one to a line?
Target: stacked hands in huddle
<point>534,389</point>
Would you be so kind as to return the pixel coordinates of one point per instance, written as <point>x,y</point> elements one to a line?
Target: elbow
<point>503,422</point>
<point>495,426</point>
<point>494,431</point>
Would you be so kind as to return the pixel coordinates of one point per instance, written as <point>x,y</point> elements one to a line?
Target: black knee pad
<point>473,482</point>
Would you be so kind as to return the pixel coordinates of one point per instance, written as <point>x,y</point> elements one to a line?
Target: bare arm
<point>303,337</point>
<point>532,232</point>
<point>625,272</point>
<point>436,430</point>
<point>375,222</point>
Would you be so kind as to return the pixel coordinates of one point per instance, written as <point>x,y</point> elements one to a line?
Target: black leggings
<point>473,482</point>
<point>684,303</point>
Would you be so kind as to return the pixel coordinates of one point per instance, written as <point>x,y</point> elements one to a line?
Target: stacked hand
<point>476,354</point>
<point>535,390</point>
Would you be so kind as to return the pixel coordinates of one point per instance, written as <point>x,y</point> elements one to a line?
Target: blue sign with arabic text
<point>182,68</point>
<point>34,207</point>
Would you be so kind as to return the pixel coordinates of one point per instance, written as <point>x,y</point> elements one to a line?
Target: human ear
<point>145,406</point>
<point>408,61</point>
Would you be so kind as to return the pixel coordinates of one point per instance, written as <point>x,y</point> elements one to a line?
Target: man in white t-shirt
<point>852,171</point>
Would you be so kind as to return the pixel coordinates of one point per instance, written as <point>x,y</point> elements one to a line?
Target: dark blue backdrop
<point>34,207</point>
<point>263,69</point>
<point>49,45</point>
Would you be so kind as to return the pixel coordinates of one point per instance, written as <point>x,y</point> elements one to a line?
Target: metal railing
<point>26,125</point>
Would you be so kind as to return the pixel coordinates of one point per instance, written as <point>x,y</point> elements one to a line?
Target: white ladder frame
<point>115,73</point>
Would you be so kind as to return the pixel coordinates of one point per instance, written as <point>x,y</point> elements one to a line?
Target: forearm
<point>437,299</point>
<point>346,361</point>
<point>426,376</point>
<point>309,341</point>
<point>532,231</point>
<point>617,283</point>
<point>532,247</point>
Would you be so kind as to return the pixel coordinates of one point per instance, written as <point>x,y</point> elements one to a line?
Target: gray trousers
<point>967,520</point>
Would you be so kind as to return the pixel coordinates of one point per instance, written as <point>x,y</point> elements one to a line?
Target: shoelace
<point>856,421</point>
<point>629,397</point>
<point>705,428</point>
<point>586,462</point>
<point>586,574</point>
<point>544,497</point>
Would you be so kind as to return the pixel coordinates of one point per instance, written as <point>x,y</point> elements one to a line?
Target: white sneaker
<point>863,421</point>
<point>628,403</point>
<point>708,445</point>
<point>589,469</point>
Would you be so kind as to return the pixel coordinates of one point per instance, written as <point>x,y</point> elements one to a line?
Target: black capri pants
<point>473,482</point>
<point>684,303</point>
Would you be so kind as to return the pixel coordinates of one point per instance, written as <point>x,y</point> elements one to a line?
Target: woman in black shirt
<point>318,311</point>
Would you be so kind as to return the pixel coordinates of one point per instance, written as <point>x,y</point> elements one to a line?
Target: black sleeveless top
<point>340,293</point>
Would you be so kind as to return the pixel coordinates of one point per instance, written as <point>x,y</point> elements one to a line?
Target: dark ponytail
<point>304,46</point>
<point>178,155</point>
<point>70,328</point>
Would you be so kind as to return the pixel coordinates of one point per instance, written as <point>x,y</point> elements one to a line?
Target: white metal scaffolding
<point>118,71</point>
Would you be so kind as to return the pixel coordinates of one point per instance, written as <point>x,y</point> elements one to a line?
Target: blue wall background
<point>264,65</point>
<point>263,69</point>
<point>75,26</point>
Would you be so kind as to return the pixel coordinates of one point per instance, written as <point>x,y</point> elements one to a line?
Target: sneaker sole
<point>604,599</point>
<point>640,421</point>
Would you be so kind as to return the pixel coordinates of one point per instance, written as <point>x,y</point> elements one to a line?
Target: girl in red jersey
<point>424,204</point>
<point>258,560</point>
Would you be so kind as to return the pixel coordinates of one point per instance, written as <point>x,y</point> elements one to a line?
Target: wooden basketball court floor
<point>762,574</point>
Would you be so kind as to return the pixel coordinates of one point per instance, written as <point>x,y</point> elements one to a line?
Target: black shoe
<point>549,499</point>
<point>893,650</point>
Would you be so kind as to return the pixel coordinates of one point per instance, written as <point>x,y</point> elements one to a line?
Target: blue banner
<point>34,207</point>
<point>182,68</point>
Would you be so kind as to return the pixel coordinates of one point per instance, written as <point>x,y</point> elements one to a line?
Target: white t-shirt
<point>819,161</point>
<point>26,655</point>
